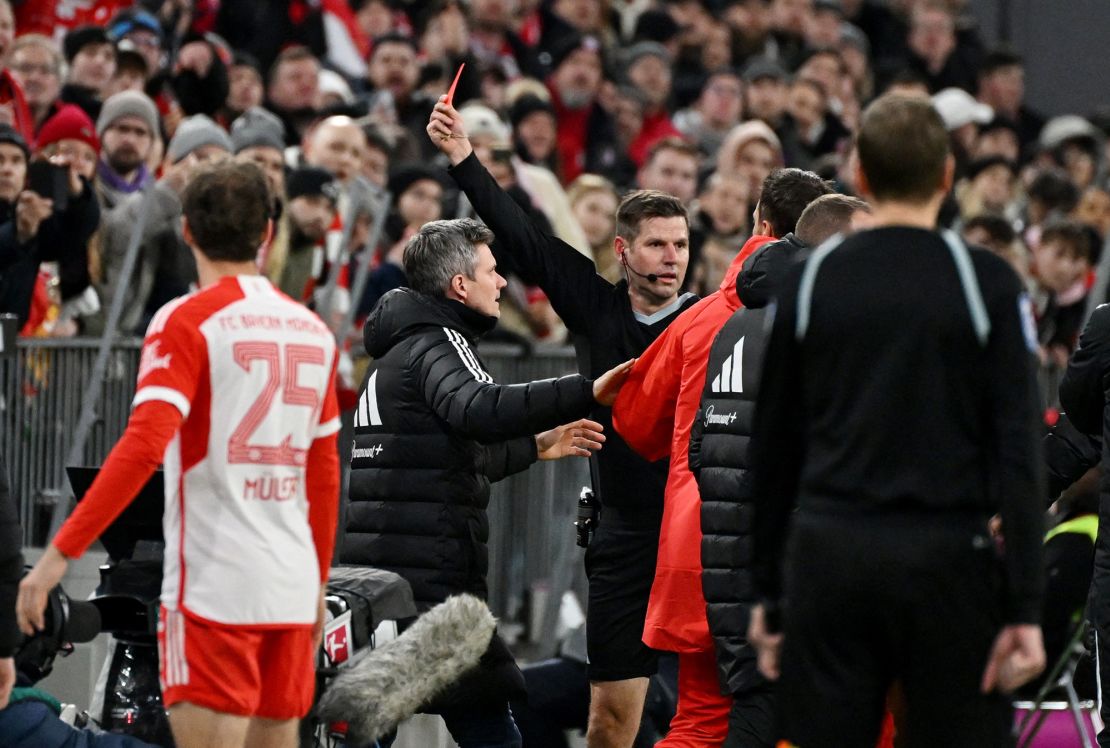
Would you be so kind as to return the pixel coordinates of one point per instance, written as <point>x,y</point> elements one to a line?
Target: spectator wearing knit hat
<point>535,130</point>
<point>165,268</point>
<point>127,127</point>
<point>91,58</point>
<point>417,191</point>
<point>22,214</point>
<point>717,110</point>
<point>258,136</point>
<point>295,260</point>
<point>765,90</point>
<point>648,69</point>
<point>201,138</point>
<point>587,138</point>
<point>68,140</point>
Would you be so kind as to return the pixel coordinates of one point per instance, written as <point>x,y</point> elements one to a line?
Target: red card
<point>451,90</point>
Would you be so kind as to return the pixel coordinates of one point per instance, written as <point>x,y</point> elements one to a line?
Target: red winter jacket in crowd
<point>653,414</point>
<point>54,17</point>
<point>11,96</point>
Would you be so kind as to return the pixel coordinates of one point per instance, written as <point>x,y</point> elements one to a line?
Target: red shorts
<point>250,672</point>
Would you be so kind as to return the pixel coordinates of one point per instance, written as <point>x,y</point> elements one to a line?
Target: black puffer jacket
<point>719,460</point>
<point>432,430</point>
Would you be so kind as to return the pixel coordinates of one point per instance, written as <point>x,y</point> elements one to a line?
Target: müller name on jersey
<point>272,488</point>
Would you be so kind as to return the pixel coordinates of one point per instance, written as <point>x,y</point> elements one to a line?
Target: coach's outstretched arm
<point>465,396</point>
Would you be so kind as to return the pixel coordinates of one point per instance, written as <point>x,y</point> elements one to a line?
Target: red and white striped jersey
<point>252,372</point>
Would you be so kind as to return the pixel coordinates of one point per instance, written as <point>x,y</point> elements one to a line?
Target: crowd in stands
<point>569,103</point>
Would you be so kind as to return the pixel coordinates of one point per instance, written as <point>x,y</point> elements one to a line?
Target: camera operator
<point>11,564</point>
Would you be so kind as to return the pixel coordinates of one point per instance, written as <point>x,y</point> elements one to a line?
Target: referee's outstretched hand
<point>1016,658</point>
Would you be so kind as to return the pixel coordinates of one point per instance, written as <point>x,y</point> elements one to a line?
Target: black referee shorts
<point>871,600</point>
<point>620,568</point>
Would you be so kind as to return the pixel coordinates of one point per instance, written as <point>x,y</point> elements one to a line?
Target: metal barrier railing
<point>41,390</point>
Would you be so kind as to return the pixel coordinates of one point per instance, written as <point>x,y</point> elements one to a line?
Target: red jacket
<point>11,95</point>
<point>653,413</point>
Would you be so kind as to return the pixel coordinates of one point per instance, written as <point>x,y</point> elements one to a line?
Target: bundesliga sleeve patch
<point>1028,322</point>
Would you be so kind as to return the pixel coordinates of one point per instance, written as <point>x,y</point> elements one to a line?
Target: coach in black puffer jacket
<point>432,431</point>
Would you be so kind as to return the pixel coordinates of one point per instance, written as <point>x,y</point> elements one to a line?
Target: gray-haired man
<point>433,430</point>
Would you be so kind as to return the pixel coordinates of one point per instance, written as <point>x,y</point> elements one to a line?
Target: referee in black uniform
<point>610,323</point>
<point>898,413</point>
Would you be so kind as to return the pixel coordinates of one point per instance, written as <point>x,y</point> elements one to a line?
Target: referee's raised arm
<point>569,279</point>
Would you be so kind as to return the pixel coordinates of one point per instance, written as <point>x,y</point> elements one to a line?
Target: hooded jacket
<point>653,414</point>
<point>432,431</point>
<point>720,461</point>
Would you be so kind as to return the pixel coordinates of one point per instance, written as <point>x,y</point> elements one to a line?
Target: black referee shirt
<point>890,403</point>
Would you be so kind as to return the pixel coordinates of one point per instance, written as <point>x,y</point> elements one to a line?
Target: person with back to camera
<point>236,398</point>
<point>898,412</point>
<point>720,447</point>
<point>609,323</point>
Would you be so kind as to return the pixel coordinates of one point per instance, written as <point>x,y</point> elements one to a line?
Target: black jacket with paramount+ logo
<point>432,431</point>
<point>720,461</point>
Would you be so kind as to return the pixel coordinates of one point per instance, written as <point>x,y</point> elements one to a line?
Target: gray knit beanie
<point>128,104</point>
<point>257,127</point>
<point>193,133</point>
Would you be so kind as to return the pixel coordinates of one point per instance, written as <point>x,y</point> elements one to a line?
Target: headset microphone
<point>651,277</point>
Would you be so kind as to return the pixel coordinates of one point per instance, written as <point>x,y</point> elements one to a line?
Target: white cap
<point>1067,127</point>
<point>957,108</point>
<point>481,121</point>
<point>332,82</point>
